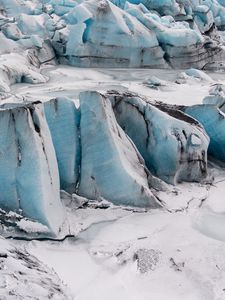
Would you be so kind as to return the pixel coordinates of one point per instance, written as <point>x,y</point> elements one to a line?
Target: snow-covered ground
<point>120,253</point>
<point>70,81</point>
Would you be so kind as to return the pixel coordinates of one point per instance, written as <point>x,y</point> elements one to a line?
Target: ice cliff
<point>29,182</point>
<point>63,119</point>
<point>174,147</point>
<point>111,166</point>
<point>118,146</point>
<point>101,34</point>
<point>213,120</point>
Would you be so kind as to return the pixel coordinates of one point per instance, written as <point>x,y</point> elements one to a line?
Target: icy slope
<point>213,120</point>
<point>101,34</point>
<point>173,147</point>
<point>111,166</point>
<point>63,119</point>
<point>183,44</point>
<point>29,180</point>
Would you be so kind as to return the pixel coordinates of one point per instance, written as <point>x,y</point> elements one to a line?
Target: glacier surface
<point>111,166</point>
<point>29,180</point>
<point>63,119</point>
<point>115,33</point>
<point>213,120</point>
<point>153,131</point>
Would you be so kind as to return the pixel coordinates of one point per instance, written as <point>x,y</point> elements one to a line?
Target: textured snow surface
<point>23,276</point>
<point>160,254</point>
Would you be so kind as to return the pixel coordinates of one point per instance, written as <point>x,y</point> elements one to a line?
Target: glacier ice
<point>213,121</point>
<point>217,100</point>
<point>100,34</point>
<point>164,7</point>
<point>111,166</point>
<point>15,68</point>
<point>201,75</point>
<point>154,131</point>
<point>177,39</point>
<point>216,96</point>
<point>63,120</point>
<point>168,31</point>
<point>116,33</point>
<point>29,180</point>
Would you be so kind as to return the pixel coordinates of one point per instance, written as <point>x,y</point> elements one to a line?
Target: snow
<point>31,227</point>
<point>15,68</point>
<point>183,262</point>
<point>23,276</point>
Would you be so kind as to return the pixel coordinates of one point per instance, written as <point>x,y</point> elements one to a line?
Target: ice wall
<point>29,181</point>
<point>63,119</point>
<point>173,148</point>
<point>213,120</point>
<point>111,166</point>
<point>100,34</point>
<point>115,33</point>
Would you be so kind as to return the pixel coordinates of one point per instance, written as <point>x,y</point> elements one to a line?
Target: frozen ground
<point>170,254</point>
<point>70,81</point>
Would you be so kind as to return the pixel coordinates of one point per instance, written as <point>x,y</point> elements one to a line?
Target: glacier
<point>153,131</point>
<point>153,34</point>
<point>216,96</point>
<point>14,68</point>
<point>101,34</point>
<point>111,166</point>
<point>213,120</point>
<point>181,44</point>
<point>63,119</point>
<point>121,186</point>
<point>29,181</point>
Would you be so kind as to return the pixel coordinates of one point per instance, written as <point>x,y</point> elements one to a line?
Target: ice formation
<point>14,68</point>
<point>29,180</point>
<point>111,166</point>
<point>100,34</point>
<point>213,120</point>
<point>181,43</point>
<point>173,147</point>
<point>63,120</point>
<point>216,96</point>
<point>115,33</point>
